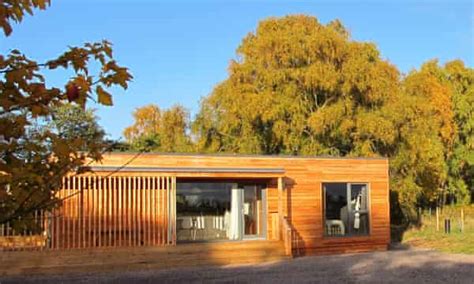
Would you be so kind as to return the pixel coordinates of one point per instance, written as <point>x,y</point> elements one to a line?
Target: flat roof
<point>245,155</point>
<point>187,169</point>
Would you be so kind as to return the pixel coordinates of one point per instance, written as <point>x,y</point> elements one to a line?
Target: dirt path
<point>399,266</point>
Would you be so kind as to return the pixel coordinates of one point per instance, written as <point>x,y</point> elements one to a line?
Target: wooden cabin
<point>301,205</point>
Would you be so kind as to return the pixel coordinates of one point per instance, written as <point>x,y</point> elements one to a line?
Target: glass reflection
<point>207,211</point>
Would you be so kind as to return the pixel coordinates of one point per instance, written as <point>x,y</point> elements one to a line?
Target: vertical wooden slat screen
<point>103,212</point>
<point>114,211</point>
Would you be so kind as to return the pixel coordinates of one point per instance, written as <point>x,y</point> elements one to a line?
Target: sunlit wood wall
<point>302,195</point>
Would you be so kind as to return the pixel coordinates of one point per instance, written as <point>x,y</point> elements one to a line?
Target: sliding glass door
<point>253,211</point>
<point>211,211</point>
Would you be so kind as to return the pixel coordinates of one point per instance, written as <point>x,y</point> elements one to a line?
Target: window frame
<point>349,233</point>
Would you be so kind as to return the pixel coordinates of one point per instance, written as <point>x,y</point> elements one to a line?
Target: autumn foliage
<point>300,87</point>
<point>159,130</point>
<point>296,87</point>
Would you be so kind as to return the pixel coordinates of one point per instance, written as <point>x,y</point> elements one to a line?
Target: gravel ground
<point>396,266</point>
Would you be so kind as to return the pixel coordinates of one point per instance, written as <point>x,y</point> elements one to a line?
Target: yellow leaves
<point>157,130</point>
<point>297,85</point>
<point>327,118</point>
<point>146,122</point>
<point>303,88</point>
<point>321,77</point>
<point>114,74</point>
<point>364,149</point>
<point>103,96</point>
<point>438,100</point>
<point>337,26</point>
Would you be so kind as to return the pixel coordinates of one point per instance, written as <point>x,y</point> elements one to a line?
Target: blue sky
<point>178,50</point>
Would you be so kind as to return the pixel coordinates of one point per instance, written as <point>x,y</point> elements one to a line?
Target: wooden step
<point>119,259</point>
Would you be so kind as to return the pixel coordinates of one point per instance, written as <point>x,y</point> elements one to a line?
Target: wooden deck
<point>139,258</point>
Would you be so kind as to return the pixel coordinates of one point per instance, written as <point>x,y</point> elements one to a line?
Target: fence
<point>461,219</point>
<point>33,235</point>
<point>102,212</point>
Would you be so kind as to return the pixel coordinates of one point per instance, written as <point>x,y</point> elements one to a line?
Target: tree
<point>32,163</point>
<point>461,163</point>
<point>298,87</point>
<point>301,87</point>
<point>460,81</point>
<point>159,130</point>
<point>440,149</point>
<point>423,118</point>
<point>76,125</point>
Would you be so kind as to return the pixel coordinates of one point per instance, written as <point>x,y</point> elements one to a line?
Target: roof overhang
<point>195,171</point>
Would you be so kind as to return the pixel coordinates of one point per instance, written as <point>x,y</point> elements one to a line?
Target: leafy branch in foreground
<point>33,160</point>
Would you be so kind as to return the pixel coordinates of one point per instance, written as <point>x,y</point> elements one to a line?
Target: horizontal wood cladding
<point>303,178</point>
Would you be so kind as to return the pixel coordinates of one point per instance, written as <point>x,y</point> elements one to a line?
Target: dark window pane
<point>335,208</point>
<point>346,209</point>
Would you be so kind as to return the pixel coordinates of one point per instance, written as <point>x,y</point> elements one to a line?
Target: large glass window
<point>346,210</point>
<point>207,211</point>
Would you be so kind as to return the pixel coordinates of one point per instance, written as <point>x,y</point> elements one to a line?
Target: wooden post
<point>462,220</point>
<point>139,210</point>
<point>61,236</point>
<point>100,211</point>
<point>82,217</point>
<point>95,204</point>
<point>280,205</point>
<point>89,210</point>
<point>158,210</point>
<point>149,198</point>
<point>73,201</point>
<point>46,228</point>
<point>170,211</point>
<point>152,208</point>
<point>437,219</point>
<point>173,184</point>
<point>420,216</point>
<point>136,210</point>
<point>162,222</point>
<point>275,228</point>
<point>118,210</point>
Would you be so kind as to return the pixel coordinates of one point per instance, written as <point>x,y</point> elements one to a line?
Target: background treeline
<point>299,87</point>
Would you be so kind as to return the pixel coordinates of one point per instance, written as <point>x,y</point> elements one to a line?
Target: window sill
<point>335,239</point>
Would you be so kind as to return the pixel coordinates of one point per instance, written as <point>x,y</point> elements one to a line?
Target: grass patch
<point>456,242</point>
